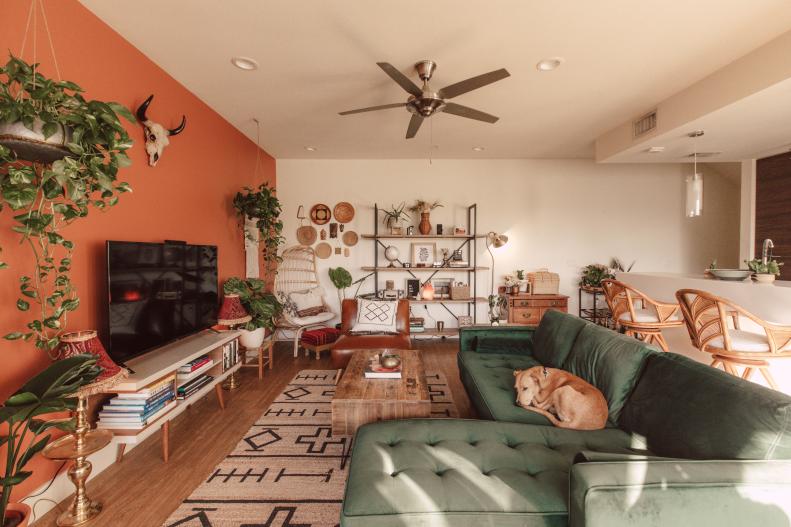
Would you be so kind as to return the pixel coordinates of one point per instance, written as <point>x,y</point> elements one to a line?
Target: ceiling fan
<point>425,102</point>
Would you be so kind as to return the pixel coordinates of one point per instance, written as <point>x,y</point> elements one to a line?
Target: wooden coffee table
<point>359,400</point>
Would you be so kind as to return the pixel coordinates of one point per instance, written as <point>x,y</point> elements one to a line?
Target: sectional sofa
<point>685,444</point>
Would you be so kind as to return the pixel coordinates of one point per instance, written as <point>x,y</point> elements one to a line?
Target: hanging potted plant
<point>262,207</point>
<point>424,208</point>
<point>44,197</point>
<point>764,273</point>
<point>50,391</point>
<point>394,218</point>
<point>263,307</point>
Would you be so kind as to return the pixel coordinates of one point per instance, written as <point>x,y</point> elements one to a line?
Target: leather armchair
<point>347,343</point>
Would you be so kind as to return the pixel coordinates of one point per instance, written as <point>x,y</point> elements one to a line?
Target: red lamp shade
<point>79,342</point>
<point>232,312</point>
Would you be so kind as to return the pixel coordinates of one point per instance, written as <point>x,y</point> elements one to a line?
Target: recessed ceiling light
<point>244,63</point>
<point>549,64</point>
<point>656,149</point>
<point>478,148</point>
<point>311,148</point>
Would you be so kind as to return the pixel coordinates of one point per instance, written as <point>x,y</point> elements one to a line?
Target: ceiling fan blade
<point>400,78</point>
<point>414,126</point>
<point>469,113</point>
<point>374,108</point>
<point>454,90</point>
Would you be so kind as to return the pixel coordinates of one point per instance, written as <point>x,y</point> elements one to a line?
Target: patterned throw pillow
<point>375,316</point>
<point>308,303</point>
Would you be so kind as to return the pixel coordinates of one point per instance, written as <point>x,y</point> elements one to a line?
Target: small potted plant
<point>512,284</point>
<point>262,306</point>
<point>424,208</point>
<point>394,218</point>
<point>26,433</point>
<point>593,274</point>
<point>523,282</point>
<point>764,273</point>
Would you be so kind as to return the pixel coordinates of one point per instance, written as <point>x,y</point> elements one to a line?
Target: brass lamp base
<point>231,383</point>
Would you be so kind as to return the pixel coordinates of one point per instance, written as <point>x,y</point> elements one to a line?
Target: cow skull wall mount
<point>156,134</point>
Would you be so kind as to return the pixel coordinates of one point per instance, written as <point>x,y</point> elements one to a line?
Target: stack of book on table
<point>192,376</point>
<point>134,411</point>
<point>374,370</point>
<point>416,324</point>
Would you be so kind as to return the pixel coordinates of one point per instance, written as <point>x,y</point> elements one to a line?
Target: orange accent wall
<point>187,196</point>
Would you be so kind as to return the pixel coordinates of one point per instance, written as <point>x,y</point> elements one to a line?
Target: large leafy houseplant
<point>52,390</point>
<point>262,306</point>
<point>593,274</point>
<point>44,198</point>
<point>262,207</point>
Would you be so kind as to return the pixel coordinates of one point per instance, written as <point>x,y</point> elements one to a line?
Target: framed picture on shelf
<point>442,287</point>
<point>412,287</point>
<point>424,254</point>
<point>464,321</point>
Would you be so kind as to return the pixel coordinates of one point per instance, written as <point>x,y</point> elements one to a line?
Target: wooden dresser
<point>528,309</point>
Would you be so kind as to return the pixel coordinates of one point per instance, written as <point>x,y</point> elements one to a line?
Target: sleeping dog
<point>566,400</point>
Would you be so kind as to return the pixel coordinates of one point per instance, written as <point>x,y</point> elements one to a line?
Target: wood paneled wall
<point>773,206</point>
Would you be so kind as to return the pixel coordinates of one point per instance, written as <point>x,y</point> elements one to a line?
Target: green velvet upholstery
<point>489,381</point>
<point>470,338</point>
<point>555,337</point>
<point>690,410</point>
<point>609,361</point>
<point>465,473</point>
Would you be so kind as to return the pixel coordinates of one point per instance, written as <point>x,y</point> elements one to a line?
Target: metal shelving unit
<point>468,243</point>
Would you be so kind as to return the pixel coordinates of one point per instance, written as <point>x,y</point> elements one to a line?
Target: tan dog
<point>566,400</point>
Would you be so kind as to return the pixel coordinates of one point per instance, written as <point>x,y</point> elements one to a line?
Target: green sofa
<point>685,445</point>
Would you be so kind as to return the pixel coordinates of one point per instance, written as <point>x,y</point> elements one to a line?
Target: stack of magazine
<point>134,411</point>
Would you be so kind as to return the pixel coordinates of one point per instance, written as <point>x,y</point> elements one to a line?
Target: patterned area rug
<point>288,470</point>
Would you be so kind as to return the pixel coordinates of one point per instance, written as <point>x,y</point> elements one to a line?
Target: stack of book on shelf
<point>458,263</point>
<point>417,324</point>
<point>374,370</point>
<point>230,354</point>
<point>192,376</point>
<point>134,411</point>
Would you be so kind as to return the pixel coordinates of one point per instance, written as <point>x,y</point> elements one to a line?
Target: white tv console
<point>164,362</point>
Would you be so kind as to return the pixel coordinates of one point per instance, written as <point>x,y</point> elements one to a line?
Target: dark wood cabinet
<point>528,309</point>
<point>772,206</point>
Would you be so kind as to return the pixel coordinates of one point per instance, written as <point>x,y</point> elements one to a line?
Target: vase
<point>252,339</point>
<point>17,515</point>
<point>764,278</point>
<point>523,284</point>
<point>425,226</point>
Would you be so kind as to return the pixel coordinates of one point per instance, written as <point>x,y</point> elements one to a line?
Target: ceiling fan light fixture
<point>550,63</point>
<point>245,63</point>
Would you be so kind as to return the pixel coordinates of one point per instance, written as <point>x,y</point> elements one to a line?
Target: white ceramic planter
<point>252,339</point>
<point>764,278</point>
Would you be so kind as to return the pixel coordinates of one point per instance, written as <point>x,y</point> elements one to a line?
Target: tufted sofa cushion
<point>555,337</point>
<point>489,381</point>
<point>466,472</point>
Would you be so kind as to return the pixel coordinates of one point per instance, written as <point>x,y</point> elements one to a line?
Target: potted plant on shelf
<point>262,207</point>
<point>47,192</point>
<point>424,208</point>
<point>764,273</point>
<point>593,274</point>
<point>394,218</point>
<point>512,284</point>
<point>523,282</point>
<point>262,306</point>
<point>50,391</point>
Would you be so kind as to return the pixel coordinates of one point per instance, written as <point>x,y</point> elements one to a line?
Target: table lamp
<point>232,313</point>
<point>84,441</point>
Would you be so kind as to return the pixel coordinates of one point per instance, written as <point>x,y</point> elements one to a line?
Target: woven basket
<point>542,282</point>
<point>459,292</point>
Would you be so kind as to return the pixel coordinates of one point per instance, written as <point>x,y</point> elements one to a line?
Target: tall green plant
<point>50,391</point>
<point>46,198</point>
<point>262,206</point>
<point>263,307</point>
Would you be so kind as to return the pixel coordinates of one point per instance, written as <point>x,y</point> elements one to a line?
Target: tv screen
<point>158,293</point>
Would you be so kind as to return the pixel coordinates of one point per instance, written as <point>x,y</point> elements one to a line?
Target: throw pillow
<point>375,316</point>
<point>308,303</point>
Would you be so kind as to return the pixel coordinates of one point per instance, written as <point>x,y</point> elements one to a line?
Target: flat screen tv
<point>158,292</point>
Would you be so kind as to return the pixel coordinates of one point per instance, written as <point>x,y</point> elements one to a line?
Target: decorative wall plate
<point>323,250</point>
<point>344,212</point>
<point>350,238</point>
<point>306,235</point>
<point>320,214</point>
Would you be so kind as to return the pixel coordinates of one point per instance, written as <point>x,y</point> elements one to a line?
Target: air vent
<point>644,124</point>
<point>704,154</point>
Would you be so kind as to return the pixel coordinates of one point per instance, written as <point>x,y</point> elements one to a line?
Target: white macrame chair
<point>296,273</point>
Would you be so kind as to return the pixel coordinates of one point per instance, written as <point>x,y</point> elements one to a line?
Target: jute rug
<point>288,470</point>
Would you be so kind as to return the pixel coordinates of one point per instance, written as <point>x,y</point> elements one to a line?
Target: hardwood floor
<point>142,490</point>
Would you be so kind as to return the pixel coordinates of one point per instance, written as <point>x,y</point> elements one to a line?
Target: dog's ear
<point>517,372</point>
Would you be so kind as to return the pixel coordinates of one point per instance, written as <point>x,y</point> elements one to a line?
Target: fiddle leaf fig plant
<point>262,206</point>
<point>44,198</point>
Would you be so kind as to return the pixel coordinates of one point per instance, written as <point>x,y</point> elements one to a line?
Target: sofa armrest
<point>680,492</point>
<point>469,337</point>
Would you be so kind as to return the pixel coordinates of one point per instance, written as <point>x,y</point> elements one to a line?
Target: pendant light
<point>694,182</point>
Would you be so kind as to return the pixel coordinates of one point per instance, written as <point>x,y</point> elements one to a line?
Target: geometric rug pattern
<point>288,470</point>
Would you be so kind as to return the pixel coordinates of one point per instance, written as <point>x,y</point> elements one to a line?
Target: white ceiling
<point>318,57</point>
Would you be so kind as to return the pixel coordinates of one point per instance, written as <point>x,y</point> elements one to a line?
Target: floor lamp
<point>494,240</point>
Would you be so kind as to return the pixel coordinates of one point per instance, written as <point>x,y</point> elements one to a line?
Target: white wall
<point>560,214</point>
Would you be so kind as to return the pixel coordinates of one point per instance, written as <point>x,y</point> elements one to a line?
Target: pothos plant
<point>262,206</point>
<point>45,198</point>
